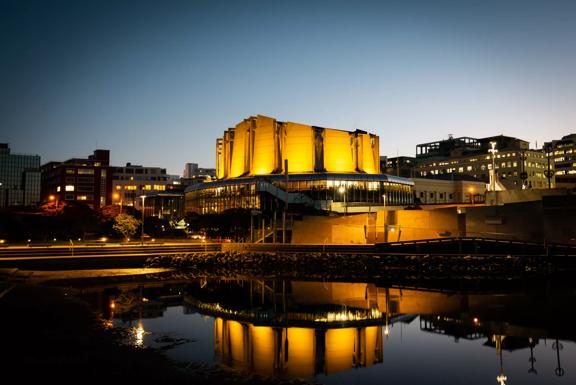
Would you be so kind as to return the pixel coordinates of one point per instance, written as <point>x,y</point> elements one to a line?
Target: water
<point>356,333</point>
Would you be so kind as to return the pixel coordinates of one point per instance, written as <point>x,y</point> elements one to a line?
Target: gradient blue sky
<point>157,82</point>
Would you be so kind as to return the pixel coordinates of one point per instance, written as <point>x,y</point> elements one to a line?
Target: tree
<point>126,225</point>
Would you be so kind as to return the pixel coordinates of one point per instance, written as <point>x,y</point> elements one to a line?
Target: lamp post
<point>142,233</point>
<point>342,190</point>
<point>471,191</point>
<point>52,198</point>
<point>493,150</point>
<point>118,198</point>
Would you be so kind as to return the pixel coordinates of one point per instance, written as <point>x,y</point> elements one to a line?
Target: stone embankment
<point>356,266</point>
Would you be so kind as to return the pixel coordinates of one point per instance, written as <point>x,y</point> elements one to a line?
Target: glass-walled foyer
<point>314,190</point>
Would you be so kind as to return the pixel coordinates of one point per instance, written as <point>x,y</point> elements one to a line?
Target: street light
<point>342,190</point>
<point>493,150</point>
<point>471,191</point>
<point>53,198</point>
<point>116,196</point>
<point>142,234</point>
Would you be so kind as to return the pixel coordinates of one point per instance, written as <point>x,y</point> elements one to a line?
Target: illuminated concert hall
<point>262,164</point>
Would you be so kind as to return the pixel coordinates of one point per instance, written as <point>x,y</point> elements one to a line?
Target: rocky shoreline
<point>339,266</point>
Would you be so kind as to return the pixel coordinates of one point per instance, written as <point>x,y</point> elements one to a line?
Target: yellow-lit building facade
<point>262,161</point>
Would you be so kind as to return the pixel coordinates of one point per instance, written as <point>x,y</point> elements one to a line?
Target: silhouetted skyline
<point>157,82</point>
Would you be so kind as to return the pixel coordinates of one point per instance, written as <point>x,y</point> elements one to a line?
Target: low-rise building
<point>445,192</point>
<point>86,180</point>
<point>403,166</point>
<point>516,165</point>
<point>131,182</point>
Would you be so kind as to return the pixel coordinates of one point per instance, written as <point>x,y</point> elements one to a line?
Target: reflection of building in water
<point>301,328</point>
<point>296,351</point>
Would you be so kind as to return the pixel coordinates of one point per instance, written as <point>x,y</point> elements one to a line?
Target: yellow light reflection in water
<point>340,349</point>
<point>262,349</point>
<point>301,351</point>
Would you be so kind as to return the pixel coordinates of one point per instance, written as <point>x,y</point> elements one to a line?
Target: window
<point>86,171</point>
<point>69,187</point>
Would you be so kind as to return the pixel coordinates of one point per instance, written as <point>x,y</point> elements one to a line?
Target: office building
<point>86,180</point>
<point>19,178</point>
<point>516,165</point>
<point>400,166</point>
<point>561,156</point>
<point>131,182</point>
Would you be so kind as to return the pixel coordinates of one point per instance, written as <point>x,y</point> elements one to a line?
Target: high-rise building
<point>561,157</point>
<point>86,180</point>
<point>19,178</point>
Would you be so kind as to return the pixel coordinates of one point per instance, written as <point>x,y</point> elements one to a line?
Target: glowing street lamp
<point>493,150</point>
<point>52,198</point>
<point>342,190</point>
<point>116,196</point>
<point>471,191</point>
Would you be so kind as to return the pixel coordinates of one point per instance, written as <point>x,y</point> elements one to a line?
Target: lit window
<point>69,187</point>
<point>81,197</point>
<point>57,188</point>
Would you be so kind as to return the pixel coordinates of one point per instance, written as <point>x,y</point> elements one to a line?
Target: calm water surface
<point>355,333</point>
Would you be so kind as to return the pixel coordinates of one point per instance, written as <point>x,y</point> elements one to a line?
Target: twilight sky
<point>157,82</point>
